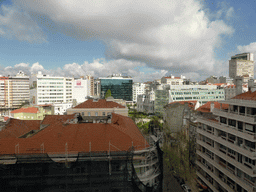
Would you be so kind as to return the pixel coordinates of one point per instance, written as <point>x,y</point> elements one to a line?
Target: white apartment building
<point>226,145</point>
<point>138,89</point>
<point>242,65</point>
<point>172,80</point>
<point>53,89</point>
<point>91,85</point>
<point>201,93</point>
<point>14,91</point>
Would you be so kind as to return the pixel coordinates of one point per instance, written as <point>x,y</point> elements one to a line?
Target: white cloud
<point>169,35</point>
<point>98,68</point>
<point>15,23</point>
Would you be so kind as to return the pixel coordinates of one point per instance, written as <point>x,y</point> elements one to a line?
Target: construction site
<point>75,153</point>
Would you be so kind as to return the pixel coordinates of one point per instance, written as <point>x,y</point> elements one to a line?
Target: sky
<point>146,39</point>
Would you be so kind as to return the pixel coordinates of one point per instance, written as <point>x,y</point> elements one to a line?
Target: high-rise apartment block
<point>138,89</point>
<point>120,86</point>
<point>226,145</point>
<point>242,65</point>
<point>14,91</point>
<point>91,84</point>
<point>53,89</point>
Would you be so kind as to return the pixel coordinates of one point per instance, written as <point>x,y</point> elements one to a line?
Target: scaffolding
<point>82,171</point>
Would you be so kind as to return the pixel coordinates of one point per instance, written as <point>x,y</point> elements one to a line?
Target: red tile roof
<point>121,134</point>
<point>50,119</point>
<point>26,110</point>
<point>191,104</point>
<point>246,96</point>
<point>101,103</point>
<point>206,108</point>
<point>16,128</point>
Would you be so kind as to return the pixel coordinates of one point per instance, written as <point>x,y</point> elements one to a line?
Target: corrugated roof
<point>26,110</point>
<point>101,103</point>
<point>121,134</point>
<point>206,108</point>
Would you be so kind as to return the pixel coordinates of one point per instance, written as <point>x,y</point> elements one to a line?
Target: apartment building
<point>91,84</point>
<point>53,89</point>
<point>226,151</point>
<point>242,65</point>
<point>14,91</point>
<point>172,80</point>
<point>138,89</point>
<point>201,93</point>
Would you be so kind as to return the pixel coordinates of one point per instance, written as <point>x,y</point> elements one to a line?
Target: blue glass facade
<point>120,88</point>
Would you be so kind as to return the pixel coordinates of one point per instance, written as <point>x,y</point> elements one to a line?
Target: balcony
<point>234,115</point>
<point>229,129</point>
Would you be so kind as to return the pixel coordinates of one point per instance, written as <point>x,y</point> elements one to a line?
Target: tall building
<point>226,150</point>
<point>91,85</point>
<point>120,86</point>
<point>242,65</point>
<point>138,89</point>
<point>53,89</point>
<point>14,91</point>
<point>80,90</point>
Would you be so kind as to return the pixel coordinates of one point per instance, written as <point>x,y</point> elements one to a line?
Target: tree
<point>108,94</point>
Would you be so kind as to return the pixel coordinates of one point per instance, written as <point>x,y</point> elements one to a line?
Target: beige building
<point>98,107</point>
<point>172,80</point>
<point>14,91</point>
<point>226,150</point>
<point>242,65</point>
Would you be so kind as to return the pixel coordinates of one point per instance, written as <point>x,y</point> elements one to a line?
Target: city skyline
<point>143,39</point>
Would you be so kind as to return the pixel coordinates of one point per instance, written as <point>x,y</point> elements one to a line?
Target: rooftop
<point>206,108</point>
<point>60,137</point>
<point>101,103</point>
<point>191,104</point>
<point>26,110</point>
<point>246,96</point>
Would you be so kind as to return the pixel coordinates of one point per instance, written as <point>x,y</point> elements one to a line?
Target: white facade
<point>201,93</point>
<point>138,89</point>
<point>173,80</point>
<point>226,150</point>
<point>53,89</point>
<point>80,90</point>
<point>61,108</point>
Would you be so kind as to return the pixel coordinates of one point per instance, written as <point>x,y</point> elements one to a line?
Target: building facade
<point>226,150</point>
<point>242,65</point>
<point>201,93</point>
<point>138,89</point>
<point>120,86</point>
<point>172,80</point>
<point>80,90</point>
<point>14,91</point>
<point>53,89</point>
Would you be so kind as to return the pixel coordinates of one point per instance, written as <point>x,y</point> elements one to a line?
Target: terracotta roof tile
<point>121,134</point>
<point>191,104</point>
<point>206,108</point>
<point>26,110</point>
<point>16,128</point>
<point>246,96</point>
<point>101,103</point>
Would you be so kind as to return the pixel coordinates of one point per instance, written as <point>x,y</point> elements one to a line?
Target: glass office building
<point>120,87</point>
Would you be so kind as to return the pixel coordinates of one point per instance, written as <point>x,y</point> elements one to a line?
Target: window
<point>82,113</point>
<point>103,113</point>
<point>89,113</point>
<point>96,113</point>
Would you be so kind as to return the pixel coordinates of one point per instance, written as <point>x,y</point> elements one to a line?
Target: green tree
<point>108,94</point>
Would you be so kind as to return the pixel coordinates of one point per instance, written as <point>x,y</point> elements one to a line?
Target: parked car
<point>185,188</point>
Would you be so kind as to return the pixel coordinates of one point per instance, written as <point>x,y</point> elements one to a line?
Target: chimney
<point>211,106</point>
